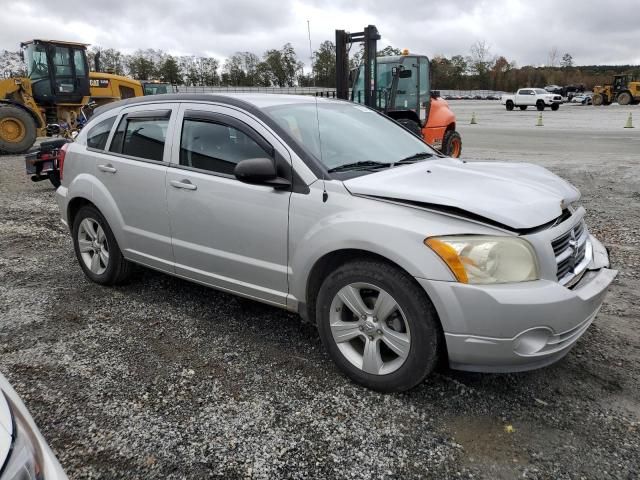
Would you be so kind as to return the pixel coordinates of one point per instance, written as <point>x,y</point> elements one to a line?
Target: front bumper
<point>517,327</point>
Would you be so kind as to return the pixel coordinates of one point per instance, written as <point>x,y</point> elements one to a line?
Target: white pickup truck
<point>532,97</point>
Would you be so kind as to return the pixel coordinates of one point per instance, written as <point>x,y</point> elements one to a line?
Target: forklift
<point>398,86</point>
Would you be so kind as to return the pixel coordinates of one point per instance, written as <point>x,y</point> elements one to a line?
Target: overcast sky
<point>525,31</point>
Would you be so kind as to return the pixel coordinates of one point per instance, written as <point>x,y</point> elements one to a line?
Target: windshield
<point>341,133</point>
<point>384,79</point>
<point>540,90</point>
<point>156,88</point>
<point>36,60</point>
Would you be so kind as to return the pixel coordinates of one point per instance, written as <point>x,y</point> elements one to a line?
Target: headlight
<point>24,460</point>
<point>484,259</point>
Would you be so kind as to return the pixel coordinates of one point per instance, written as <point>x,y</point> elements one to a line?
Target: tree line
<point>479,70</point>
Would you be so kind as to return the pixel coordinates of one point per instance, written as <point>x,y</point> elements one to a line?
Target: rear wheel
<point>452,144</point>
<point>411,125</point>
<point>97,250</point>
<point>54,178</point>
<point>523,107</point>
<point>17,129</point>
<point>540,105</point>
<point>624,98</point>
<point>509,105</point>
<point>378,326</point>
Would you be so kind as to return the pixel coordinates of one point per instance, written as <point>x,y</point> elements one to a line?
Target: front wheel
<point>17,129</point>
<point>378,325</point>
<point>555,106</point>
<point>452,144</point>
<point>509,105</point>
<point>97,250</point>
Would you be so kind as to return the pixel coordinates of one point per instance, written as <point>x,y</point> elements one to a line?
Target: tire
<point>523,107</point>
<point>540,105</point>
<point>54,178</point>
<point>624,98</point>
<point>509,105</point>
<point>598,99</point>
<point>17,129</point>
<point>117,269</point>
<point>411,325</point>
<point>555,106</point>
<point>411,125</point>
<point>452,144</point>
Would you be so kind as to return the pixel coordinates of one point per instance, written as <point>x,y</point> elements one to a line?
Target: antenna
<point>311,53</point>
<point>325,195</point>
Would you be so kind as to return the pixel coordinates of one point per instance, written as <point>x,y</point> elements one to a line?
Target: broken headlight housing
<point>480,259</point>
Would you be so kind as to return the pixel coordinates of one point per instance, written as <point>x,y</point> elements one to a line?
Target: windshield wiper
<point>413,158</point>
<point>364,165</point>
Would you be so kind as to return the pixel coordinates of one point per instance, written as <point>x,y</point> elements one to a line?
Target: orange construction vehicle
<point>399,86</point>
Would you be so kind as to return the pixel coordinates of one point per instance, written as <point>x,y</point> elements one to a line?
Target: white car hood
<point>518,195</point>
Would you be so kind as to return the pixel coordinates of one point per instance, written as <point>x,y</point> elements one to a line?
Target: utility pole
<point>311,53</point>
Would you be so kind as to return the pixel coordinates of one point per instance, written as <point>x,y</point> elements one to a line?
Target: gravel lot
<point>166,379</point>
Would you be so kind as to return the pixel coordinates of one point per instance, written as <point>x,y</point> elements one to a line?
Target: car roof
<point>249,101</point>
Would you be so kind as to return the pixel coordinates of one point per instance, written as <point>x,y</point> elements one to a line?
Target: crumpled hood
<point>518,195</point>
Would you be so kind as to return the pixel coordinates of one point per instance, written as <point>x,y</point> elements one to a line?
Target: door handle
<point>185,184</point>
<point>107,168</point>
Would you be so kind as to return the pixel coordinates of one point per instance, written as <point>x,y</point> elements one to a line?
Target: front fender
<point>391,231</point>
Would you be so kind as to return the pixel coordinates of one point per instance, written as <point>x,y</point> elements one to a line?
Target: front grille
<point>570,250</point>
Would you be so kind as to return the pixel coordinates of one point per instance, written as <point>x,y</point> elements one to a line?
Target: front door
<point>226,233</point>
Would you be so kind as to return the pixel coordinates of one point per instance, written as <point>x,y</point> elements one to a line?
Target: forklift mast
<point>369,37</point>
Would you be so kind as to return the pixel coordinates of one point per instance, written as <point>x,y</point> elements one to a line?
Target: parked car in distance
<point>582,99</point>
<point>399,255</point>
<point>554,89</point>
<point>531,97</point>
<point>24,453</point>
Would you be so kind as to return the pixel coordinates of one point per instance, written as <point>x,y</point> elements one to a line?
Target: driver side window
<point>216,147</point>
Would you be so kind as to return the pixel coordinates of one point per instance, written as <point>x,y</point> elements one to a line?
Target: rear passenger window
<point>98,135</point>
<point>216,147</point>
<point>141,137</point>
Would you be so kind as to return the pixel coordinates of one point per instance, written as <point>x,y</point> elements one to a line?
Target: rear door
<point>227,233</point>
<point>133,172</point>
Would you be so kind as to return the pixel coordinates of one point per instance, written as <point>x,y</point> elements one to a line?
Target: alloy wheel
<point>93,245</point>
<point>369,328</point>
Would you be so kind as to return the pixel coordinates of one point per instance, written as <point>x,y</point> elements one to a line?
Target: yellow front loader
<point>55,96</point>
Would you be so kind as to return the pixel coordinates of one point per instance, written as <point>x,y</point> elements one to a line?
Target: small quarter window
<point>141,137</point>
<point>216,147</point>
<point>98,135</point>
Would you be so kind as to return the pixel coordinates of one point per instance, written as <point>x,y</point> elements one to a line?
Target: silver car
<point>24,453</point>
<point>326,208</point>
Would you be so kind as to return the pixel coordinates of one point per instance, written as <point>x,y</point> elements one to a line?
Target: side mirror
<point>260,171</point>
<point>405,73</point>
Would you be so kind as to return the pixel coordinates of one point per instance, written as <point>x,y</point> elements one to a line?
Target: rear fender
<point>88,187</point>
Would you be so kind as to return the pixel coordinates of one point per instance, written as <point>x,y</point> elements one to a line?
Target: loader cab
<point>58,71</point>
<point>403,86</point>
<point>157,88</point>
